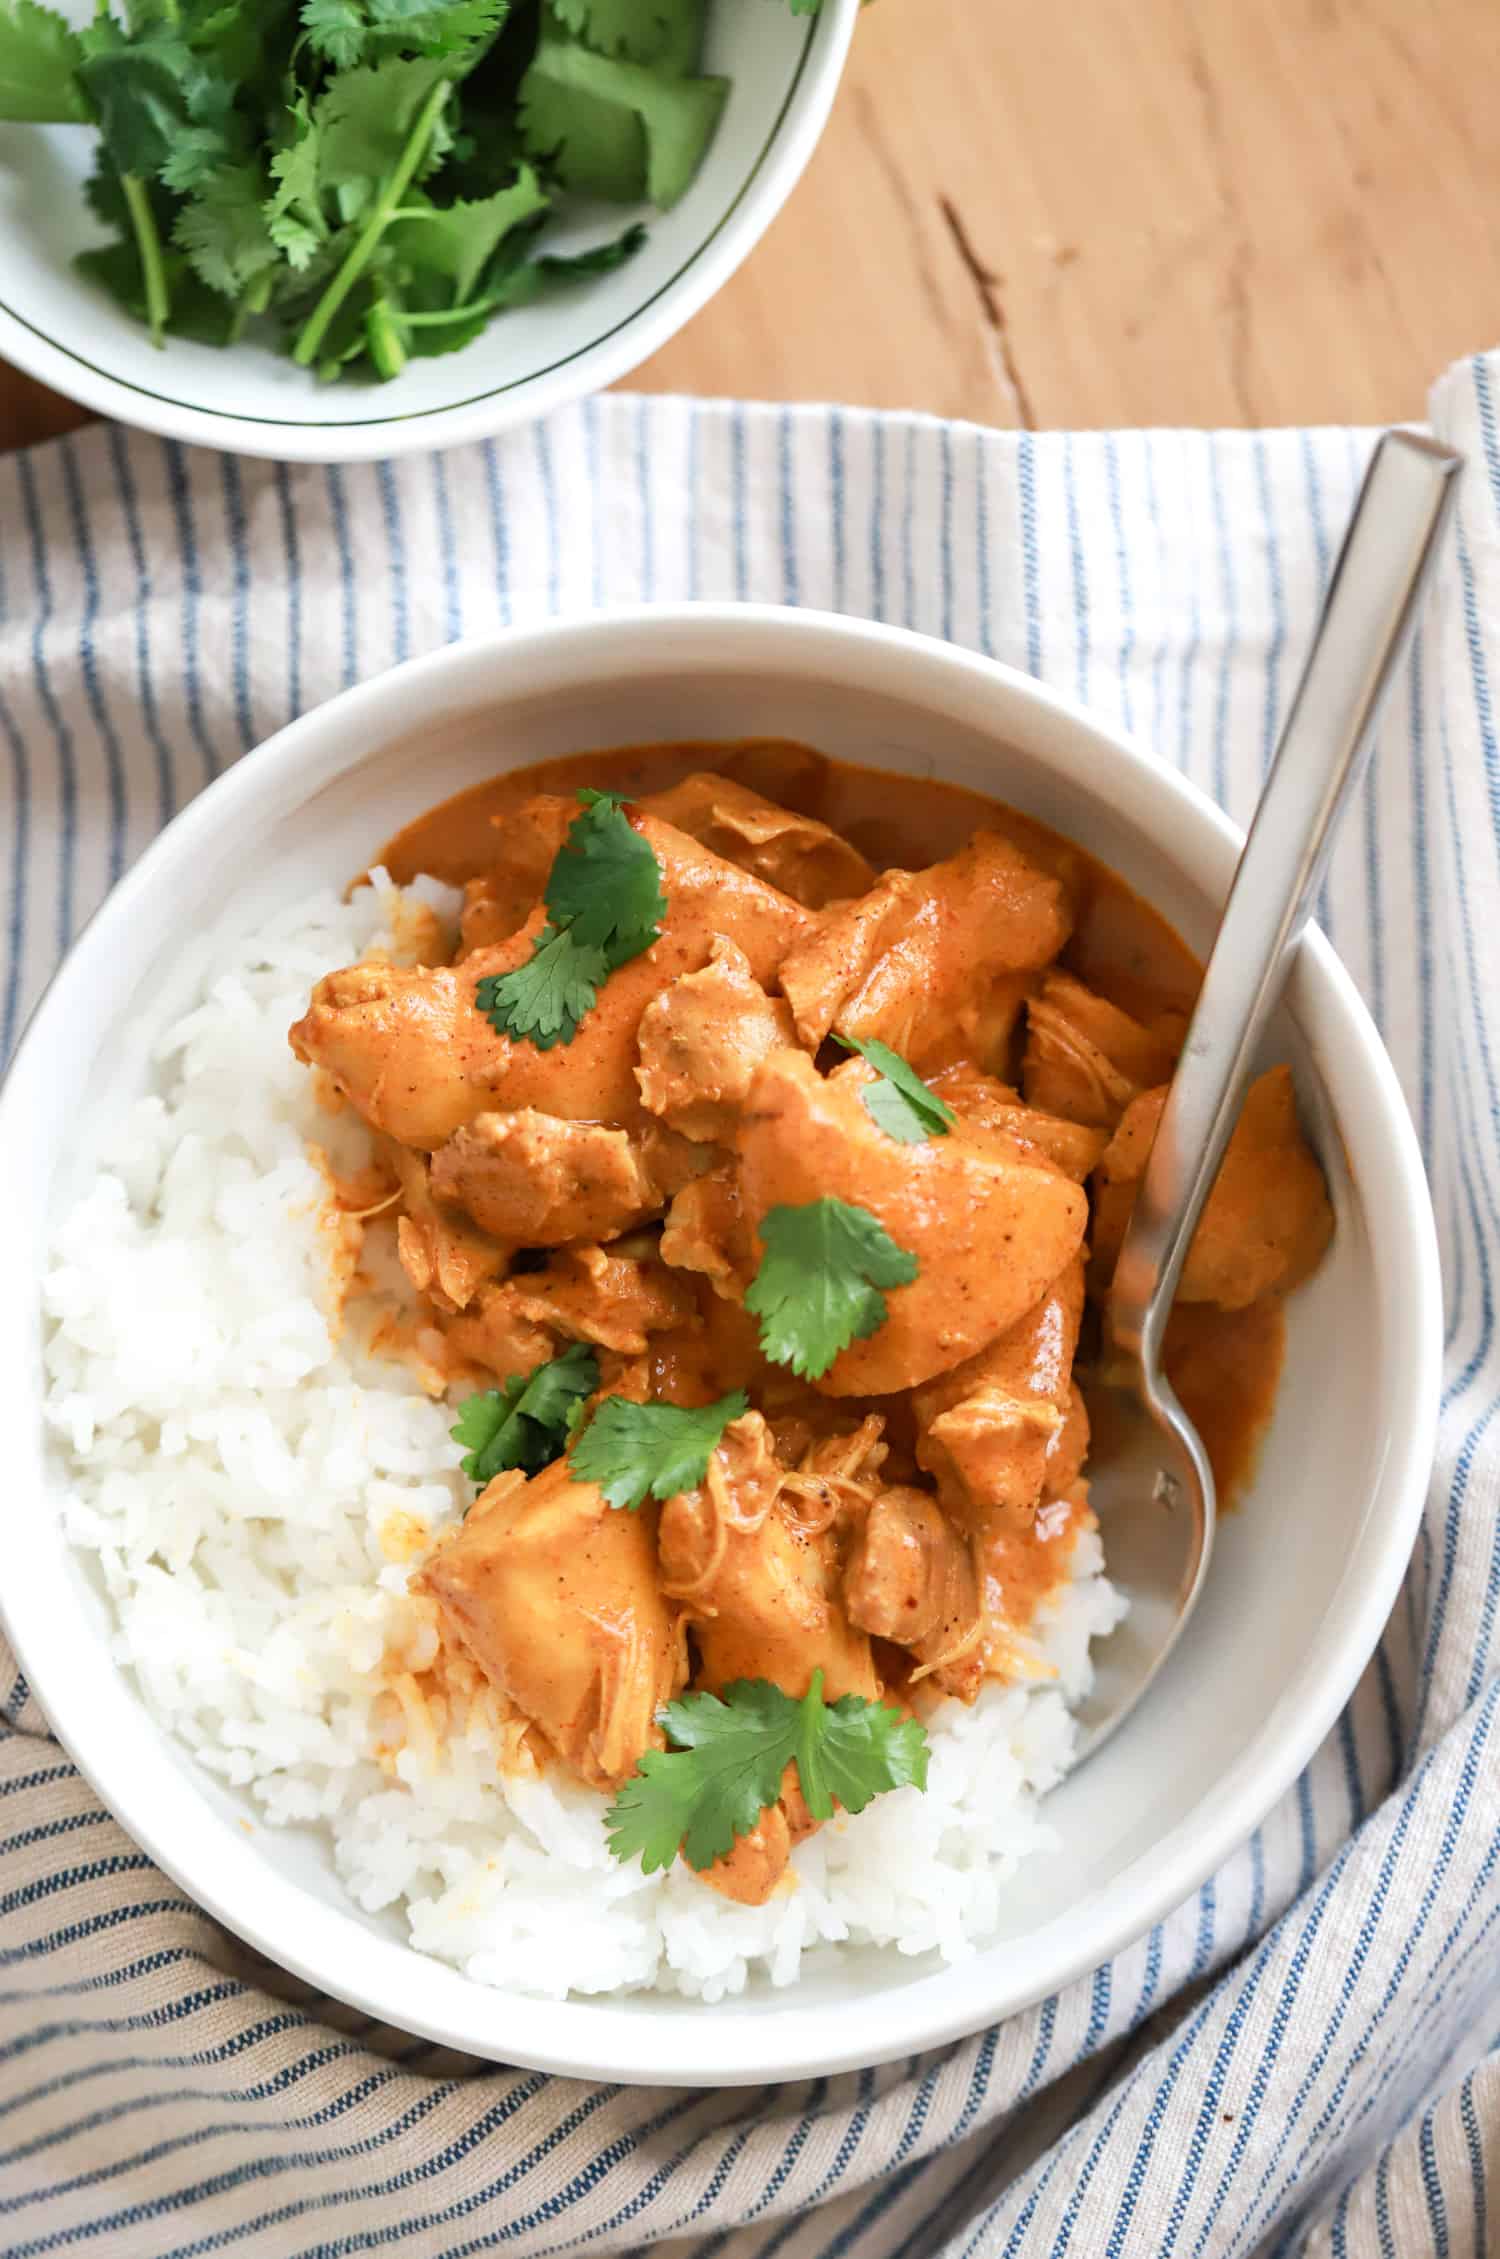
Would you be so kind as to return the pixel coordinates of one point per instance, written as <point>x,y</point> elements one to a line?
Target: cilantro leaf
<point>517,282</point>
<point>336,30</point>
<point>542,1001</point>
<point>613,128</point>
<point>605,882</point>
<point>39,53</point>
<point>526,1423</point>
<point>345,32</point>
<point>224,231</point>
<point>148,93</point>
<point>899,1102</point>
<point>458,240</point>
<point>640,1451</point>
<point>604,904</point>
<point>818,1285</point>
<point>295,219</point>
<point>364,122</point>
<point>667,33</point>
<point>195,310</point>
<point>730,1753</point>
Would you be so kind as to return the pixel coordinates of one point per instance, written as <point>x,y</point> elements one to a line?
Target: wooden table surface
<point>1096,212</point>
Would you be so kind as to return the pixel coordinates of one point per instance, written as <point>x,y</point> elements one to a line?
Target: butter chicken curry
<point>755,1158</point>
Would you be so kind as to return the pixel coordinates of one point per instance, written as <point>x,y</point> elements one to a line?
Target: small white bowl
<point>784,71</point>
<point>1306,1572</point>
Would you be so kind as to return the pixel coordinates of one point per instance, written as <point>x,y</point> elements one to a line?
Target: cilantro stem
<point>382,213</point>
<point>383,335</point>
<point>464,313</point>
<point>148,244</point>
<point>255,301</point>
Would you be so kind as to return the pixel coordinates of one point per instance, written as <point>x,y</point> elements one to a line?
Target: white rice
<point>231,1458</point>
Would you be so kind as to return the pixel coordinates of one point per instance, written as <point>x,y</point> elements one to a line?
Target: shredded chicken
<point>1085,1058</point>
<point>535,1180</point>
<point>795,853</point>
<point>443,1254</point>
<point>701,1041</point>
<point>557,1598</point>
<point>990,1430</point>
<point>759,1584</point>
<point>935,963</point>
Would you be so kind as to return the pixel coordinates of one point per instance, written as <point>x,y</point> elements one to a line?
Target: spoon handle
<point>1366,625</point>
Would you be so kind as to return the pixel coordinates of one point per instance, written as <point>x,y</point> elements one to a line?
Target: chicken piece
<point>750,1872</point>
<point>413,1052</point>
<point>751,1869</point>
<point>1021,1562</point>
<point>979,1097</point>
<point>671,1161</point>
<point>760,1588</point>
<point>1068,1449</point>
<point>555,1596</point>
<point>705,1231</point>
<point>1267,1221</point>
<point>797,854</point>
<point>596,1294</point>
<point>911,1579</point>
<point>441,1252</point>
<point>493,1331</point>
<point>936,963</point>
<point>617,1301</point>
<point>1085,1058</point>
<point>717,1349</point>
<point>701,1041</point>
<point>989,1430</point>
<point>536,1181</point>
<point>989,1230</point>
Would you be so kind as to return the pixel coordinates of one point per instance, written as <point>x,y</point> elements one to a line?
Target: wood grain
<point>1103,212</point>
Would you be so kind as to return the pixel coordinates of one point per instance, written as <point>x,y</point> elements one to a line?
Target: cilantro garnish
<point>818,1286</point>
<point>526,1423</point>
<point>604,906</point>
<point>729,1754</point>
<point>899,1102</point>
<point>640,1451</point>
<point>364,178</point>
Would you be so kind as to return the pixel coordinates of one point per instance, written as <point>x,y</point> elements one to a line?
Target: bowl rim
<point>722,2044</point>
<point>784,154</point>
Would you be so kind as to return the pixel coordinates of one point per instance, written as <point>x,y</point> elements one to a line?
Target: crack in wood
<point>868,122</point>
<point>987,289</point>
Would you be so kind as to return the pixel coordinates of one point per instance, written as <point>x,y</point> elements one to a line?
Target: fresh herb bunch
<point>371,175</point>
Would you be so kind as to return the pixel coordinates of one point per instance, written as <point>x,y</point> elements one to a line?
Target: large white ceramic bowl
<point>784,71</point>
<point>1305,1573</point>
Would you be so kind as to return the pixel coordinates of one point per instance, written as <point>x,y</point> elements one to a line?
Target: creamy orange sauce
<point>1225,1365</point>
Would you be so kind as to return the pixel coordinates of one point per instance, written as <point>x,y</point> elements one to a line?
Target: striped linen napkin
<point>1302,2058</point>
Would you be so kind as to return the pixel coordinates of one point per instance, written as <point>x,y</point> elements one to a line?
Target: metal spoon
<point>1153,1451</point>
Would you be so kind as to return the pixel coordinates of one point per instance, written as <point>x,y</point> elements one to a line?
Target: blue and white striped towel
<point>1303,2058</point>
